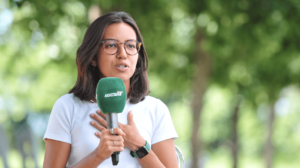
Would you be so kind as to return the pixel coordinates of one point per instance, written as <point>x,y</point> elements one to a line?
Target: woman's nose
<point>122,52</point>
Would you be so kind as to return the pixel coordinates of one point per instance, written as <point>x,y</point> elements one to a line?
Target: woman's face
<point>121,64</point>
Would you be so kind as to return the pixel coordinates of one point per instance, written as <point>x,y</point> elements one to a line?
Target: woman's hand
<point>109,143</point>
<point>133,140</point>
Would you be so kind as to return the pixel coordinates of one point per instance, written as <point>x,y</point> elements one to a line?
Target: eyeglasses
<point>111,46</point>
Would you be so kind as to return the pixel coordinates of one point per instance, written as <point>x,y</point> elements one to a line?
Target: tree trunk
<point>234,146</point>
<point>200,82</point>
<point>3,147</point>
<point>269,142</point>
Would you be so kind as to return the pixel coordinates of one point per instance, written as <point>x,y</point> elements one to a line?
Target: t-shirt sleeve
<point>59,125</point>
<point>164,128</point>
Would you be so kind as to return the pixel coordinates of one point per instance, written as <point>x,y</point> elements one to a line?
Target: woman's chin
<point>123,77</point>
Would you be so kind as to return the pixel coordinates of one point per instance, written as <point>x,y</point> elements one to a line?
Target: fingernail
<point>92,114</point>
<point>92,122</point>
<point>96,133</point>
<point>98,111</point>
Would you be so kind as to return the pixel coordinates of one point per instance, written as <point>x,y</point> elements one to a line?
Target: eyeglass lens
<point>112,46</point>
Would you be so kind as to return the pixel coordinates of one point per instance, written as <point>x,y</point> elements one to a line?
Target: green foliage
<point>252,46</point>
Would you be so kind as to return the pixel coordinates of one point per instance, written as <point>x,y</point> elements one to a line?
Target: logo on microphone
<point>119,93</point>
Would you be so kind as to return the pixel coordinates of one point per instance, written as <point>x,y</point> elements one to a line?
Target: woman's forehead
<point>120,32</point>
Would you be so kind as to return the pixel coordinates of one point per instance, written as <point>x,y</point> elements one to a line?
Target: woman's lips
<point>120,68</point>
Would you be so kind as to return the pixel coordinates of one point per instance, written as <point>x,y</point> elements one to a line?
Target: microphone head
<point>111,95</point>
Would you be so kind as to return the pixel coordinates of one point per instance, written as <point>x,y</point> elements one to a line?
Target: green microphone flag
<point>111,95</point>
<point>111,98</point>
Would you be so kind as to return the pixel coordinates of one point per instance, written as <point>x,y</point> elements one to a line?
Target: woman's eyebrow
<point>118,40</point>
<point>110,39</point>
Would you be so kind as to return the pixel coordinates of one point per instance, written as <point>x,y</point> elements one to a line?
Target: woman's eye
<point>130,46</point>
<point>111,45</point>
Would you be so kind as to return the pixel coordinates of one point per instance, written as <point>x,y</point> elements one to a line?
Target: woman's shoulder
<point>69,103</point>
<point>69,99</point>
<point>150,99</point>
<point>154,102</point>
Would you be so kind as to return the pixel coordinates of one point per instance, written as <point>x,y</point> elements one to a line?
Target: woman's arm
<point>165,151</point>
<point>57,152</point>
<point>162,153</point>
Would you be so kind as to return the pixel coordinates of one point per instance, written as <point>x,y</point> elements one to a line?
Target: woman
<point>112,47</point>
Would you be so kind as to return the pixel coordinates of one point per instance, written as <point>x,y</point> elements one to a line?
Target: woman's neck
<point>127,87</point>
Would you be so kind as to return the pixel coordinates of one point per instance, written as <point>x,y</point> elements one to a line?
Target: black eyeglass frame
<point>139,44</point>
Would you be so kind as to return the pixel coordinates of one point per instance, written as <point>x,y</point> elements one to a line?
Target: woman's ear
<point>94,63</point>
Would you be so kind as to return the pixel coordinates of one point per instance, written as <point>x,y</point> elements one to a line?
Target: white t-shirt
<point>70,122</point>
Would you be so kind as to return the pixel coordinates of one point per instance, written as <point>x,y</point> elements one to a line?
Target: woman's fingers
<point>98,134</point>
<point>97,126</point>
<point>112,138</point>
<point>118,131</point>
<point>114,143</point>
<point>115,149</point>
<point>103,122</point>
<point>101,114</point>
<point>118,149</point>
<point>109,139</point>
<point>106,135</point>
<point>130,118</point>
<point>109,142</point>
<point>99,120</point>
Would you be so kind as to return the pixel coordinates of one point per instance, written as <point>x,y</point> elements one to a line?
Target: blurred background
<point>229,72</point>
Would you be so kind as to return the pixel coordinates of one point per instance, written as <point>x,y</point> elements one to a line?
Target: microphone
<point>111,98</point>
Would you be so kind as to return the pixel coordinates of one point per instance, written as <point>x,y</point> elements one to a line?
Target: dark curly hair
<point>88,77</point>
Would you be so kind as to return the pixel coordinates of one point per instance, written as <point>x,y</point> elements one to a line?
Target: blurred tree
<point>247,47</point>
<point>250,45</point>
